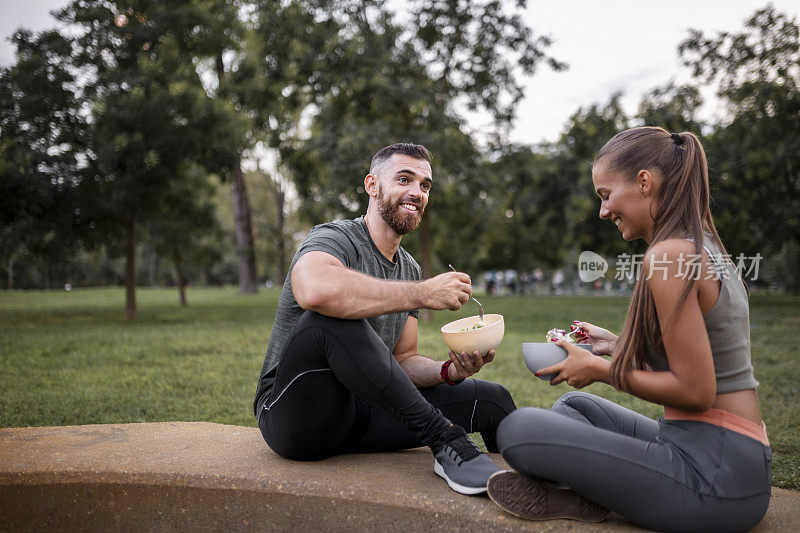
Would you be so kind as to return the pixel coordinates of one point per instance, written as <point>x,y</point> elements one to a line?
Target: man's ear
<point>645,182</point>
<point>371,185</point>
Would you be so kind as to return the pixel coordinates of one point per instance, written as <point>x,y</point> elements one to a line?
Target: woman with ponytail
<point>685,344</point>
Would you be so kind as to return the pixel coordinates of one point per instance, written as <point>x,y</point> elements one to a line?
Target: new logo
<point>591,266</point>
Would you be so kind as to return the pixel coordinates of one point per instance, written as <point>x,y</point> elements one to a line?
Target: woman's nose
<point>604,212</point>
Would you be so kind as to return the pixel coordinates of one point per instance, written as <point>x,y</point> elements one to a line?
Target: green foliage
<point>588,130</point>
<point>477,53</point>
<point>151,114</point>
<point>101,125</point>
<point>190,236</point>
<point>756,153</point>
<point>71,358</point>
<point>525,198</point>
<point>40,140</point>
<point>120,114</point>
<point>282,64</point>
<point>672,107</point>
<point>390,84</point>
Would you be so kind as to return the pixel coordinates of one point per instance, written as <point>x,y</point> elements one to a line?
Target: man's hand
<point>445,291</point>
<point>465,365</point>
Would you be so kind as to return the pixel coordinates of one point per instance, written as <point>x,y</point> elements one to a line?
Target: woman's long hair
<point>682,210</point>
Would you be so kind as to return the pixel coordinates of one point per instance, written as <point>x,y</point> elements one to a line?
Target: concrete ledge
<point>201,476</point>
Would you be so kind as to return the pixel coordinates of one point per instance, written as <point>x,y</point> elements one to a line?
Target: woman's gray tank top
<point>728,326</point>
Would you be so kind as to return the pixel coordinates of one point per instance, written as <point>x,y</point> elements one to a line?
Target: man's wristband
<point>445,376</point>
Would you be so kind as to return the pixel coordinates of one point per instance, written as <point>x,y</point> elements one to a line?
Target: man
<point>342,371</point>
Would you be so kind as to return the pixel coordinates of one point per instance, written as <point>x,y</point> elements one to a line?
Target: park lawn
<point>71,358</point>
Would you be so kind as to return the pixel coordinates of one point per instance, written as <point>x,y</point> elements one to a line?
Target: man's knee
<point>328,323</point>
<point>495,393</point>
<point>307,438</point>
<point>357,335</point>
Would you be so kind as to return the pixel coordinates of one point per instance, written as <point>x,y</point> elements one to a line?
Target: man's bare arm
<point>424,371</point>
<point>321,283</point>
<point>421,370</point>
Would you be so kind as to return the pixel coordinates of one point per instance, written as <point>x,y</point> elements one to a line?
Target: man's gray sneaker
<point>461,463</point>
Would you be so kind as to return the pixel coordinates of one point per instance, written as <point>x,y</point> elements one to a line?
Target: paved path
<point>187,476</point>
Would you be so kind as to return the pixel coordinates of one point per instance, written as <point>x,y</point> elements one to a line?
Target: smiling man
<point>342,372</point>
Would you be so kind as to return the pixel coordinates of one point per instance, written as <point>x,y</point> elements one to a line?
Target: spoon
<point>480,307</point>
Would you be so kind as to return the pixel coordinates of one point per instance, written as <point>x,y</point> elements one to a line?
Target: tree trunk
<point>280,200</point>
<point>426,259</point>
<point>152,266</point>
<point>181,280</point>
<point>10,284</point>
<point>130,270</point>
<point>243,229</point>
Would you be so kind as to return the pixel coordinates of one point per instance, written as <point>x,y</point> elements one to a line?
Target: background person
<point>343,373</point>
<point>706,466</point>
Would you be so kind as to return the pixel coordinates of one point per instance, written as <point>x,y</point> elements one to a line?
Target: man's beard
<point>396,217</point>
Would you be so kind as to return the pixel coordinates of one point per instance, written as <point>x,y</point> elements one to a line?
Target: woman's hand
<point>603,341</point>
<point>579,369</point>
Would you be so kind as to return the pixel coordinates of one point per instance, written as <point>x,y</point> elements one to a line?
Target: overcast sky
<point>610,45</point>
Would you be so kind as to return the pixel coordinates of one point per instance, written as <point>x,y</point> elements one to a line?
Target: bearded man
<point>343,374</point>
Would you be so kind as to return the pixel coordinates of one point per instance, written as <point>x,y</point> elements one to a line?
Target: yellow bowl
<point>481,339</point>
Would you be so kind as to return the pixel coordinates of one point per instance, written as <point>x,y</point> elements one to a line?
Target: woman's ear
<point>645,182</point>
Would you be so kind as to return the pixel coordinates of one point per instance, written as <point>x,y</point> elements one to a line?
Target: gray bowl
<point>538,355</point>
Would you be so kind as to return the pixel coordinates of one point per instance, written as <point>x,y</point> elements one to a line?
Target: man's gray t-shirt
<point>348,241</point>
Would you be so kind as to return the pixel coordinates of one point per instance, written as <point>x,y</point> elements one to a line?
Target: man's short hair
<point>417,151</point>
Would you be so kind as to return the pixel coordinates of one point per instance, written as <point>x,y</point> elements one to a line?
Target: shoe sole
<point>462,489</point>
<point>536,500</point>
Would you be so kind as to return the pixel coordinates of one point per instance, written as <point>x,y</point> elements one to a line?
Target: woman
<point>685,344</point>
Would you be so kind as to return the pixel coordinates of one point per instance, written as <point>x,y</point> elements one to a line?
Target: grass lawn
<point>70,357</point>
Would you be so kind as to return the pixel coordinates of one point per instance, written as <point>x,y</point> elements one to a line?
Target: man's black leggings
<point>338,389</point>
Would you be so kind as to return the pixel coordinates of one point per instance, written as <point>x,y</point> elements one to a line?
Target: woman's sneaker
<point>535,499</point>
<point>461,463</point>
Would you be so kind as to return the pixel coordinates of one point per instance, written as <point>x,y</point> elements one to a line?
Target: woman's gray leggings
<point>667,475</point>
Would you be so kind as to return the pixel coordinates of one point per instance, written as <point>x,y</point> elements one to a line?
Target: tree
<point>588,130</point>
<point>276,221</point>
<point>41,136</point>
<point>150,115</point>
<point>185,228</point>
<point>476,52</point>
<point>525,196</point>
<point>219,37</point>
<point>273,75</point>
<point>756,154</point>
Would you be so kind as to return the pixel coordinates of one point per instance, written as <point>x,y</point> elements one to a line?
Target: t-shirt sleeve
<point>332,240</point>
